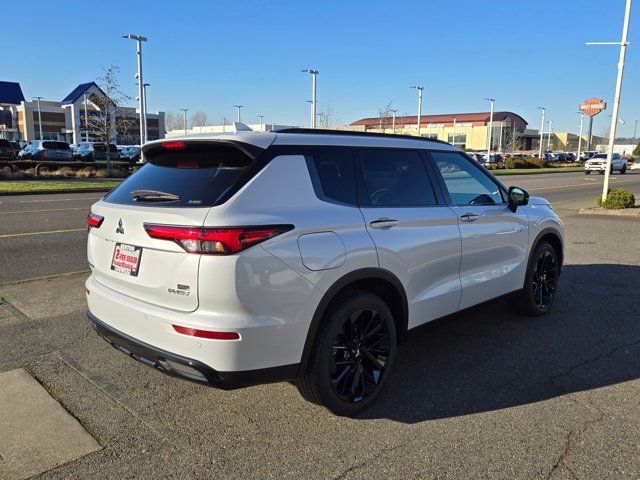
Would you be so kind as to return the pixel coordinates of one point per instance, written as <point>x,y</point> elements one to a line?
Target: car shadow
<point>488,357</point>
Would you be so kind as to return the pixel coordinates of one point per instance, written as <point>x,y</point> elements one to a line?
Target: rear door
<point>416,237</point>
<point>125,258</point>
<point>494,239</point>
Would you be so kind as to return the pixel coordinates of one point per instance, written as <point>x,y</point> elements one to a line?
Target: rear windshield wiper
<point>153,196</point>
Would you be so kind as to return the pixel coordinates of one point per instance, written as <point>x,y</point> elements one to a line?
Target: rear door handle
<point>469,217</point>
<point>383,223</point>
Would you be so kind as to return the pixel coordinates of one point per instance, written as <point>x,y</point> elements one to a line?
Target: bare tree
<point>385,117</point>
<point>325,116</point>
<point>198,119</point>
<point>173,121</point>
<point>109,120</point>
<point>511,140</point>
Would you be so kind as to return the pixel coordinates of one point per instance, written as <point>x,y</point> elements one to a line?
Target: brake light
<point>173,145</point>
<point>216,241</point>
<point>94,220</point>
<point>192,332</point>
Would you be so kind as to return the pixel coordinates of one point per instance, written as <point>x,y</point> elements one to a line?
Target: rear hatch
<point>100,152</point>
<point>56,150</point>
<point>177,186</point>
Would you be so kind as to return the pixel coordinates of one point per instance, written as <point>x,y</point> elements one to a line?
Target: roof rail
<point>322,131</point>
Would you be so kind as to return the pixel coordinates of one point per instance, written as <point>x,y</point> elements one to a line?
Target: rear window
<point>200,175</point>
<point>99,147</point>
<point>55,145</point>
<point>336,174</point>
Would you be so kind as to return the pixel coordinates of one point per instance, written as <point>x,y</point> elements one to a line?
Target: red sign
<point>593,106</point>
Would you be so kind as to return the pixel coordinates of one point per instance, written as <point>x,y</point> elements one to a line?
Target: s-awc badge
<point>126,259</point>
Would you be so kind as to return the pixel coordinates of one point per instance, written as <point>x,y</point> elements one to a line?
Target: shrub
<point>617,198</point>
<point>85,173</point>
<point>525,162</point>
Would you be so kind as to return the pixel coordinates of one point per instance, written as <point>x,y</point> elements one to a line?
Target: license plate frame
<point>126,259</point>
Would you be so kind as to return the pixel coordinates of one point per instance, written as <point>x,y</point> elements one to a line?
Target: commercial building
<point>265,127</point>
<point>65,120</point>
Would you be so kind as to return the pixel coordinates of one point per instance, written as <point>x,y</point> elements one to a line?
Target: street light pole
<point>393,121</point>
<point>542,109</point>
<point>144,98</point>
<point>314,101</point>
<point>39,115</point>
<point>420,90</point>
<point>490,132</point>
<point>185,110</point>
<point>454,130</point>
<point>550,122</point>
<point>261,117</point>
<point>635,130</point>
<point>224,124</point>
<point>500,140</point>
<point>580,136</point>
<point>238,107</point>
<point>86,119</point>
<point>616,99</point>
<point>139,39</point>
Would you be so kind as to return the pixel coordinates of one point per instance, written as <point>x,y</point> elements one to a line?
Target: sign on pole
<point>593,106</point>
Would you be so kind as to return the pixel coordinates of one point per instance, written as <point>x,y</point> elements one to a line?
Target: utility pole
<point>393,121</point>
<point>224,124</point>
<point>542,109</point>
<point>39,115</point>
<point>635,130</point>
<point>420,90</point>
<point>144,98</point>
<point>185,110</point>
<point>500,140</point>
<point>238,107</point>
<point>454,130</point>
<point>86,119</point>
<point>261,117</point>
<point>143,114</point>
<point>616,99</point>
<point>550,122</point>
<point>314,100</point>
<point>580,135</point>
<point>490,130</point>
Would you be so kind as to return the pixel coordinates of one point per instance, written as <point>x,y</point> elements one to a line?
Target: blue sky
<point>210,55</point>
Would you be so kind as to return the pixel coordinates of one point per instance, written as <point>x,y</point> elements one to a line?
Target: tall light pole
<point>420,90</point>
<point>542,109</point>
<point>238,107</point>
<point>635,130</point>
<point>616,99</point>
<point>86,119</point>
<point>490,132</point>
<point>454,130</point>
<point>224,124</point>
<point>550,122</point>
<point>185,110</point>
<point>393,121</point>
<point>580,136</point>
<point>39,115</point>
<point>314,100</point>
<point>261,117</point>
<point>143,114</point>
<point>144,98</point>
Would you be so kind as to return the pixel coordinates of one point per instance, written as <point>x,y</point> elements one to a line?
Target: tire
<point>531,300</point>
<point>623,170</point>
<point>587,172</point>
<point>601,172</point>
<point>341,374</point>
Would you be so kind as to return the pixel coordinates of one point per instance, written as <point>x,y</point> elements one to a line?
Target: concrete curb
<point>49,192</point>
<point>628,213</point>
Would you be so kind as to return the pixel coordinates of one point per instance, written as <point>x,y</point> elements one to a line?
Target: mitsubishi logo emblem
<point>120,228</point>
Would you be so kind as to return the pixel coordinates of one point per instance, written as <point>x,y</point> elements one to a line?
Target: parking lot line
<point>573,185</point>
<point>26,234</point>
<point>44,210</point>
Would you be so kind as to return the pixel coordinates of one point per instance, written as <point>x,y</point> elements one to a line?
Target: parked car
<point>84,152</point>
<point>6,150</point>
<point>598,163</point>
<point>100,153</point>
<point>476,156</point>
<point>49,150</point>
<point>584,156</point>
<point>24,153</point>
<point>255,258</point>
<point>493,159</point>
<point>16,148</point>
<point>635,165</point>
<point>130,154</point>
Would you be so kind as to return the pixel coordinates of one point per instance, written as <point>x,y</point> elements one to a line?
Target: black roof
<point>10,92</point>
<point>322,131</point>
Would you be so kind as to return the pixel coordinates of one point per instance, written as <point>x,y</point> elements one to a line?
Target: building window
<point>459,140</point>
<point>429,135</point>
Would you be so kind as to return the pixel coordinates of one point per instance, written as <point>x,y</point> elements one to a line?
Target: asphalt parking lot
<point>482,394</point>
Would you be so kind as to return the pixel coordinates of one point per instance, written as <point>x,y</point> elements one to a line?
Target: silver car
<point>307,255</point>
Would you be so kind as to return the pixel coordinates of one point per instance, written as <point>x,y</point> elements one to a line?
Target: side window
<point>336,174</point>
<point>394,178</point>
<point>466,183</point>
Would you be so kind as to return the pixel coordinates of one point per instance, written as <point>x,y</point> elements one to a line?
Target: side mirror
<point>518,197</point>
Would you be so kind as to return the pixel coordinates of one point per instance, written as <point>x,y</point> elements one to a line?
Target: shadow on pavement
<point>488,358</point>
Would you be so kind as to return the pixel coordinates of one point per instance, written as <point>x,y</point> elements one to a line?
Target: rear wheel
<point>624,170</point>
<point>587,172</point>
<point>541,282</point>
<point>353,355</point>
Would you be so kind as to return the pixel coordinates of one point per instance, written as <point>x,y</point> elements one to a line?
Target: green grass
<point>533,171</point>
<point>33,186</point>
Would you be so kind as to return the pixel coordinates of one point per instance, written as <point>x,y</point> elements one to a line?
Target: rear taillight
<point>216,241</point>
<point>94,220</point>
<point>192,332</point>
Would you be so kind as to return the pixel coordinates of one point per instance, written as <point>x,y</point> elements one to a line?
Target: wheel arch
<point>375,280</point>
<point>552,236</point>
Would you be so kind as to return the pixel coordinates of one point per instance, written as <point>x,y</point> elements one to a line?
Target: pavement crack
<point>371,458</point>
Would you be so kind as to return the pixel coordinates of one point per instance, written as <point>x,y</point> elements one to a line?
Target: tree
<point>198,119</point>
<point>173,121</point>
<point>636,151</point>
<point>109,120</point>
<point>511,140</point>
<point>385,117</point>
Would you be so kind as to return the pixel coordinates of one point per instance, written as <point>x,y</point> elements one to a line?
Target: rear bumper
<point>187,368</point>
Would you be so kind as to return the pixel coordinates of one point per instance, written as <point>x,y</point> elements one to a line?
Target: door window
<point>394,178</point>
<point>465,182</point>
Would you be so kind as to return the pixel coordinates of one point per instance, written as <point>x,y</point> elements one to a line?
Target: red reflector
<point>94,220</point>
<point>187,164</point>
<point>173,145</point>
<point>192,332</point>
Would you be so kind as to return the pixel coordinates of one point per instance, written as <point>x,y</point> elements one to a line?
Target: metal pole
<point>420,89</point>
<point>393,121</point>
<point>635,130</point>
<point>144,98</point>
<point>139,39</point>
<point>185,110</point>
<point>580,136</point>
<point>39,116</point>
<point>224,124</point>
<point>542,109</point>
<point>550,122</point>
<point>238,107</point>
<point>490,130</point>
<point>500,140</point>
<point>86,120</point>
<point>261,117</point>
<point>454,131</point>
<point>313,95</point>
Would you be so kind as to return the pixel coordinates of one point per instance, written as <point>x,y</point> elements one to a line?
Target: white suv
<point>307,255</point>
<point>598,163</point>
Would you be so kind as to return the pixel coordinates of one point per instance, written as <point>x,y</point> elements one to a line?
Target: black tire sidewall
<point>530,304</point>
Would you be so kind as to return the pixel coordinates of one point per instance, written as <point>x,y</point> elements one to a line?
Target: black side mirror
<point>518,197</point>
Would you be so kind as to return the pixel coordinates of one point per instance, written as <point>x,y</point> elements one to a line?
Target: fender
<point>546,231</point>
<point>337,288</point>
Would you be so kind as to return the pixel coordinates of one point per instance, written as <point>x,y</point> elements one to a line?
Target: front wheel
<point>353,355</point>
<point>624,170</point>
<point>541,282</point>
<point>587,172</point>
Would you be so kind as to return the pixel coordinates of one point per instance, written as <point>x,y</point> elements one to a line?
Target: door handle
<point>469,217</point>
<point>383,223</point>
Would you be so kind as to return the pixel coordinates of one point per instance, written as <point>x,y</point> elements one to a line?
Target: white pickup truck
<point>598,163</point>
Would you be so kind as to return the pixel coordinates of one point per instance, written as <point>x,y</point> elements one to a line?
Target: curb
<point>48,192</point>
<point>628,213</point>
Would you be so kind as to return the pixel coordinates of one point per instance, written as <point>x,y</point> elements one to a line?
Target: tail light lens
<point>94,220</point>
<point>215,241</point>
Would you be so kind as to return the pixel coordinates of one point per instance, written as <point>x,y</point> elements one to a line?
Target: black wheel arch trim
<point>544,232</point>
<point>336,289</point>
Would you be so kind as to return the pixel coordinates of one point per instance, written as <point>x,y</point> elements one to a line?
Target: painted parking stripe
<point>47,232</point>
<point>574,185</point>
<point>44,210</point>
